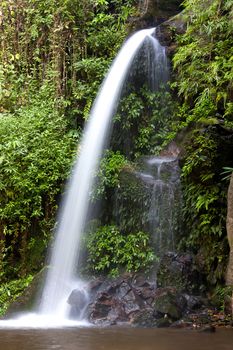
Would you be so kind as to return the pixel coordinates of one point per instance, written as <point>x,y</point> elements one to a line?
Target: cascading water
<point>155,191</point>
<point>158,64</point>
<point>61,276</point>
<point>61,279</point>
<point>164,210</point>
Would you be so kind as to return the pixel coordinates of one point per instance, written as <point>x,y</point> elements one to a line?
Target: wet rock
<point>78,300</point>
<point>148,293</point>
<point>167,32</point>
<point>182,324</point>
<point>77,297</point>
<point>27,300</point>
<point>200,318</point>
<point>193,302</point>
<point>101,307</point>
<point>208,329</point>
<point>123,290</point>
<point>144,318</point>
<point>152,12</point>
<point>132,302</point>
<point>94,285</point>
<point>169,303</point>
<point>116,300</point>
<point>136,300</point>
<point>164,322</point>
<point>140,281</point>
<point>179,271</point>
<point>117,314</point>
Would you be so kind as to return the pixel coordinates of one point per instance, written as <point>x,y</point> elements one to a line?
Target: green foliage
<point>227,173</point>
<point>108,176</point>
<point>204,58</point>
<point>50,40</point>
<point>132,203</point>
<point>11,290</point>
<point>203,64</point>
<point>205,202</point>
<point>54,55</point>
<point>110,251</point>
<point>149,117</point>
<point>37,150</point>
<point>221,296</point>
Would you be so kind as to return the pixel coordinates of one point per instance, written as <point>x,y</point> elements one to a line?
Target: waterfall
<point>60,280</point>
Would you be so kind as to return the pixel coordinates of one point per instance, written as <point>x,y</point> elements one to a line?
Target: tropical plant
<point>110,251</point>
<point>203,64</point>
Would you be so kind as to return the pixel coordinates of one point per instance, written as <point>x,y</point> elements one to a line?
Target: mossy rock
<point>132,203</point>
<point>27,300</point>
<point>179,271</point>
<point>169,304</point>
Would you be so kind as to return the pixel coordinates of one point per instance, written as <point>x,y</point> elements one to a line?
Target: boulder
<point>144,318</point>
<point>169,303</point>
<point>134,299</point>
<point>78,301</point>
<point>167,32</point>
<point>29,298</point>
<point>106,309</point>
<point>179,271</point>
<point>116,300</point>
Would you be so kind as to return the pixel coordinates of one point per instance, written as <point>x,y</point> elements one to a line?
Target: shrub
<point>110,251</point>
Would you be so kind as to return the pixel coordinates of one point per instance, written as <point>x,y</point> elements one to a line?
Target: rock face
<point>229,277</point>
<point>167,32</point>
<point>166,16</point>
<point>179,270</point>
<point>154,12</point>
<point>78,300</point>
<point>136,299</point>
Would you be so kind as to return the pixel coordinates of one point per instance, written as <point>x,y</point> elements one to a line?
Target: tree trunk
<point>229,274</point>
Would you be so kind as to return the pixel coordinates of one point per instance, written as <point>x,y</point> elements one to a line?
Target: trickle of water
<point>158,64</point>
<point>164,211</point>
<point>60,278</point>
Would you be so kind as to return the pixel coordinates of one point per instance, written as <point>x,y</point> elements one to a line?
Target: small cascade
<point>143,7</point>
<point>157,63</point>
<point>155,192</point>
<point>164,211</point>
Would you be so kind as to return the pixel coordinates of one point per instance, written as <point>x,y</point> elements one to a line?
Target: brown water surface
<point>114,339</point>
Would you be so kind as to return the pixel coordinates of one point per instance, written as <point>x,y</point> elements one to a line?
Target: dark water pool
<point>114,339</point>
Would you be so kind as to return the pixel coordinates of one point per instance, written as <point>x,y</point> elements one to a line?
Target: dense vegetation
<point>53,57</point>
<point>203,64</point>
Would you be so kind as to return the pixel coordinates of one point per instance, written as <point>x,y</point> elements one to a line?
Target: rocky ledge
<point>176,299</point>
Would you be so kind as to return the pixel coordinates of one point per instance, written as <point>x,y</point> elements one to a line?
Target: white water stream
<point>61,279</point>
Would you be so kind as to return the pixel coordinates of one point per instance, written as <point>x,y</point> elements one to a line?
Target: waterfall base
<point>32,320</point>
